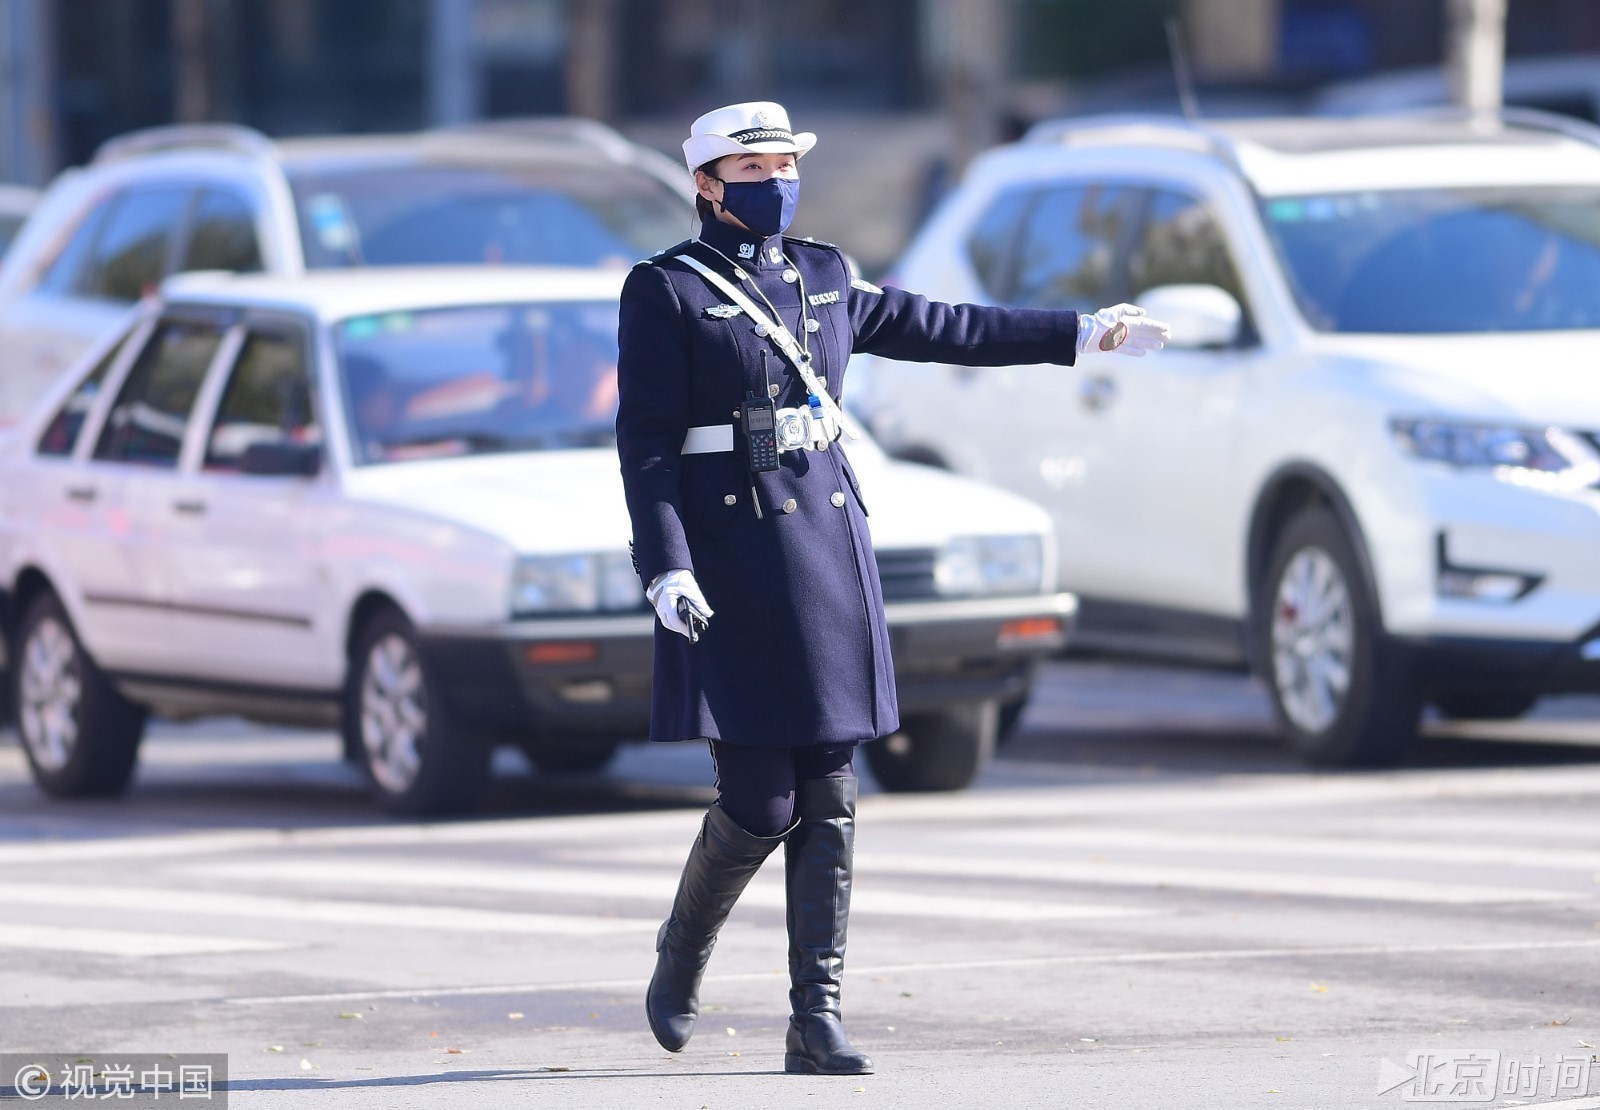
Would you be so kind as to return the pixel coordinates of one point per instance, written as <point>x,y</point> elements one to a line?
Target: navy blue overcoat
<point>798,650</point>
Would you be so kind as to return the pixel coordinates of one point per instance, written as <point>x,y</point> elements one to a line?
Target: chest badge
<point>723,311</point>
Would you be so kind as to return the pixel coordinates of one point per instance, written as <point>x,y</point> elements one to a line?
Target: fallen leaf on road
<point>1285,1038</point>
<point>454,1051</point>
<point>732,1032</point>
<point>1318,987</point>
<point>306,1065</point>
<point>1585,1044</point>
<point>555,1069</point>
<point>352,1015</point>
<point>514,1017</point>
<point>1561,1021</point>
<point>274,1048</point>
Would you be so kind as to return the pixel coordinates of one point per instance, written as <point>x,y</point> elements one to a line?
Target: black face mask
<point>765,207</point>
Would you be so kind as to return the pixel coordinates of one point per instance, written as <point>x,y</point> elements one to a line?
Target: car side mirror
<point>300,460</point>
<point>1200,316</point>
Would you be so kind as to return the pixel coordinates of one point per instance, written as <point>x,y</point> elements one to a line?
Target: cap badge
<point>761,118</point>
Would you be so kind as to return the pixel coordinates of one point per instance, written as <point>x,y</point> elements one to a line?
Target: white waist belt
<point>708,439</point>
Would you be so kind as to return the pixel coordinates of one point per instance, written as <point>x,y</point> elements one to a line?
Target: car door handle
<point>193,508</point>
<point>1097,393</point>
<point>82,493</point>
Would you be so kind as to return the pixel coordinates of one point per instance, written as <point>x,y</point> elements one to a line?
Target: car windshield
<point>468,381</point>
<point>1442,260</point>
<point>468,214</point>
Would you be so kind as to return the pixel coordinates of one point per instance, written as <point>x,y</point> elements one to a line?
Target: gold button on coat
<point>837,499</point>
<point>789,506</point>
<point>730,499</point>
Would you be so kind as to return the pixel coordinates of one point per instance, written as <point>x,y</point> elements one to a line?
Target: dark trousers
<point>756,785</point>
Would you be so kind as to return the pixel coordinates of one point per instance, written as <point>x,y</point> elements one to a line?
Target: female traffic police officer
<point>750,535</point>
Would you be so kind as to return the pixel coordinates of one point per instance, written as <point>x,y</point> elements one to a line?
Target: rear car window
<point>146,425</point>
<point>130,253</point>
<point>1181,243</point>
<point>471,214</point>
<point>60,436</point>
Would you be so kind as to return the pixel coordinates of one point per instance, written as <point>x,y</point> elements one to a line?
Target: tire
<point>570,756</point>
<point>416,758</point>
<point>1341,698</point>
<point>936,751</point>
<point>81,737</point>
<point>1484,707</point>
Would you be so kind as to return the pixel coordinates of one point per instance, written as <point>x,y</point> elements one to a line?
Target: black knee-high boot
<point>721,863</point>
<point>818,872</point>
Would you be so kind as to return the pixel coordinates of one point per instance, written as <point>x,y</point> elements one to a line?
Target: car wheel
<point>570,756</point>
<point>1338,696</point>
<point>80,736</point>
<point>1484,707</point>
<point>936,751</point>
<point>417,760</point>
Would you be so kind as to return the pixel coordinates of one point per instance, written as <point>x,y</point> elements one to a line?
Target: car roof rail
<point>573,130</point>
<point>184,136</point>
<point>1111,129</point>
<point>1533,119</point>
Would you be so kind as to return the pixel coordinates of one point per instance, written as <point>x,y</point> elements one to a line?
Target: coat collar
<point>748,249</point>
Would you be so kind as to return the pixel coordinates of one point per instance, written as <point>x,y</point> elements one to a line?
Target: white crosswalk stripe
<point>122,942</point>
<point>653,887</point>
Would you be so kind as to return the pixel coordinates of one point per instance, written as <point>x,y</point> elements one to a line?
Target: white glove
<point>665,592</point>
<point>1123,328</point>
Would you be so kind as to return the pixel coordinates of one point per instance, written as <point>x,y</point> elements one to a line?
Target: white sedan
<point>391,501</point>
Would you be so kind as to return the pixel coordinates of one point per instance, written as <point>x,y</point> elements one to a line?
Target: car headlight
<point>990,565</point>
<point>1551,459</point>
<point>574,583</point>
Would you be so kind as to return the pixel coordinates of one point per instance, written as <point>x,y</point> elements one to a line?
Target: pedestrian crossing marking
<point>120,942</point>
<point>652,886</point>
<point>407,915</point>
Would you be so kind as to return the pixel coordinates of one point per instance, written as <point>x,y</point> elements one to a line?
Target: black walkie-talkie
<point>760,419</point>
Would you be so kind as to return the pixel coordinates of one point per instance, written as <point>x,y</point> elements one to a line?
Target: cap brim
<point>700,149</point>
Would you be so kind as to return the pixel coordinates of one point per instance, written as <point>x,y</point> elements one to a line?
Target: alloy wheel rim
<point>1313,640</point>
<point>394,716</point>
<point>50,691</point>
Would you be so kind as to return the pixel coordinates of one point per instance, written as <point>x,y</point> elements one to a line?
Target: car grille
<point>907,574</point>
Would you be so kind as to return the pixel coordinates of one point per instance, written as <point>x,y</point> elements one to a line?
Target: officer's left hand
<point>1122,328</point>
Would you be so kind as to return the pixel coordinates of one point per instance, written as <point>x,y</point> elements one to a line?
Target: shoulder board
<point>810,242</point>
<point>661,256</point>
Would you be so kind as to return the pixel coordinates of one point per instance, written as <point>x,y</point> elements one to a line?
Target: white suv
<point>391,500</point>
<point>220,197</point>
<point>1367,463</point>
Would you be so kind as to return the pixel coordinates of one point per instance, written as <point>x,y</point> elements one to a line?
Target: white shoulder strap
<point>779,335</point>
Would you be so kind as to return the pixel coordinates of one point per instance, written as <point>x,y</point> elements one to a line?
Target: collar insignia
<point>747,250</point>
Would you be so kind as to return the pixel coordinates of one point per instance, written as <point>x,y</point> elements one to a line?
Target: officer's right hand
<point>1122,328</point>
<point>666,591</point>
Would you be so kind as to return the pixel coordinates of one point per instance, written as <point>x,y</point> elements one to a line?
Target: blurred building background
<point>902,90</point>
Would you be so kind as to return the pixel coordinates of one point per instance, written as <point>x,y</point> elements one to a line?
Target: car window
<point>1069,248</point>
<point>1442,260</point>
<point>479,379</point>
<point>992,245</point>
<point>267,399</point>
<point>146,424</point>
<point>60,436</point>
<point>222,235</point>
<point>130,255</point>
<point>415,214</point>
<point>1181,243</point>
<point>66,271</point>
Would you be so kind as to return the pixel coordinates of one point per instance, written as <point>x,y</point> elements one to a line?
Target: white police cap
<point>756,127</point>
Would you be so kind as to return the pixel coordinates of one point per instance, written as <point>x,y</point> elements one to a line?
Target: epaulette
<point>661,256</point>
<point>809,241</point>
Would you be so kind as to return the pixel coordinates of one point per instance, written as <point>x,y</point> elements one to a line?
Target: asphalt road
<point>1144,903</point>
